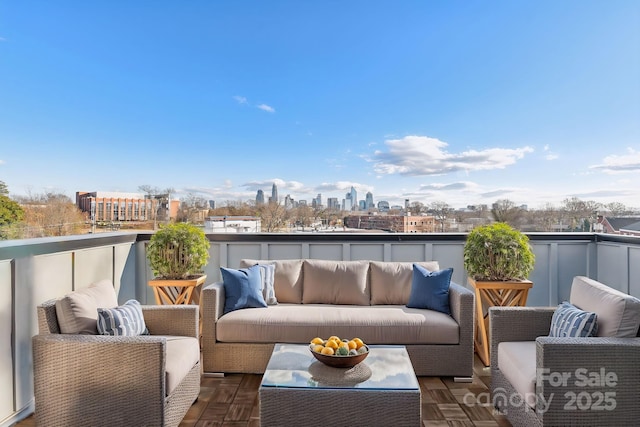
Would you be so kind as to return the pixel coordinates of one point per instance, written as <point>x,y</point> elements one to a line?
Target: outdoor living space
<point>232,401</point>
<point>41,269</point>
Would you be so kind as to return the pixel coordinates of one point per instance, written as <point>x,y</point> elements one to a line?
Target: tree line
<point>55,214</point>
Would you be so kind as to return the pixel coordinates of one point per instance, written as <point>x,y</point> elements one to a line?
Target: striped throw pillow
<point>126,320</point>
<point>569,321</point>
<point>267,279</point>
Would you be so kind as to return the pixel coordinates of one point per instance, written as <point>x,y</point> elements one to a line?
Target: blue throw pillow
<point>430,289</point>
<point>242,288</point>
<point>569,321</point>
<point>126,320</point>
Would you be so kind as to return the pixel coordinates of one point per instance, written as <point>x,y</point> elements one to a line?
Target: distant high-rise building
<point>369,201</point>
<point>347,203</point>
<point>383,206</point>
<point>212,204</point>
<point>333,204</point>
<point>274,194</point>
<point>288,202</point>
<point>260,197</point>
<point>362,205</point>
<point>354,198</point>
<point>406,204</point>
<point>317,202</point>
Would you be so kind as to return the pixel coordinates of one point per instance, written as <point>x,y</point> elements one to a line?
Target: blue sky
<point>465,102</point>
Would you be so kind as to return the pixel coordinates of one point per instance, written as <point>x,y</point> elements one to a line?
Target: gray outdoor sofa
<point>539,380</point>
<point>345,298</point>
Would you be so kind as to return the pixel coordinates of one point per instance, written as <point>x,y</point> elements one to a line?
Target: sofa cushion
<point>126,320</point>
<point>287,278</point>
<point>618,313</point>
<point>77,312</point>
<point>517,362</point>
<point>391,281</point>
<point>335,282</point>
<point>182,353</point>
<point>295,323</point>
<point>242,288</point>
<point>430,289</point>
<point>570,321</point>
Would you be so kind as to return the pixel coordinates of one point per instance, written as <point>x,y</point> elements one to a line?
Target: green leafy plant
<point>497,252</point>
<point>178,251</point>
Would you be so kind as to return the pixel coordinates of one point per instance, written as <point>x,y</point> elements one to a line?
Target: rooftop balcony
<point>32,271</point>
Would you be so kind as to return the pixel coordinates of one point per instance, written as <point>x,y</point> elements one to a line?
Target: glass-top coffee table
<point>297,389</point>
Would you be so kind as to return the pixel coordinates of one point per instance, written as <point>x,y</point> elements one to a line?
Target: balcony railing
<point>35,270</point>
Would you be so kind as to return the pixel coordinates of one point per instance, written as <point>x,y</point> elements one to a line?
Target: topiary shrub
<point>178,251</point>
<point>498,252</point>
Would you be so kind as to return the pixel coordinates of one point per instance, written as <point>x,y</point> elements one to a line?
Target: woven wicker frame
<point>90,380</point>
<point>428,360</point>
<point>565,355</point>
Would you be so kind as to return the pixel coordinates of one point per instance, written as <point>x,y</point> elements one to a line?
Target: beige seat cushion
<point>182,354</point>
<point>295,323</point>
<point>335,282</point>
<point>517,362</point>
<point>391,281</point>
<point>287,280</point>
<point>77,311</point>
<point>618,313</point>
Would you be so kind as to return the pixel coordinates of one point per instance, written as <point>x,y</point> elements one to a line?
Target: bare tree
<point>440,210</point>
<point>505,210</point>
<point>273,216</point>
<point>417,208</point>
<point>580,214</point>
<point>51,214</point>
<point>193,209</point>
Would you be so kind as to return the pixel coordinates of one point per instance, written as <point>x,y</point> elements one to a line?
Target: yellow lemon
<point>358,342</point>
<point>318,348</point>
<point>317,340</point>
<point>352,345</point>
<point>332,344</point>
<point>327,350</point>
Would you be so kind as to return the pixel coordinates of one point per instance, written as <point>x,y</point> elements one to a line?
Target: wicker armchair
<point>95,380</point>
<point>578,381</point>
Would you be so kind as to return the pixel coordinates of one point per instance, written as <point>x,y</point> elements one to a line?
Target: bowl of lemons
<point>337,352</point>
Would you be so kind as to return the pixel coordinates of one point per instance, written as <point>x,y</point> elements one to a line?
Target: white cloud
<point>625,163</point>
<point>283,186</point>
<point>267,108</point>
<point>240,99</point>
<point>551,156</point>
<point>421,155</point>
<point>2,162</point>
<point>343,186</point>
<point>462,185</point>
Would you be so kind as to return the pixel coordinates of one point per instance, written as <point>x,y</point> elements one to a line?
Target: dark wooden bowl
<point>340,361</point>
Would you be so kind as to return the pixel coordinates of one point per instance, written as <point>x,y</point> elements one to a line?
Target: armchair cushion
<point>618,313</point>
<point>517,362</point>
<point>570,321</point>
<point>77,312</point>
<point>126,320</point>
<point>182,355</point>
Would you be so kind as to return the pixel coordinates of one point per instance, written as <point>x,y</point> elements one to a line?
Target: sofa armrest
<point>84,371</point>
<point>588,380</point>
<point>178,320</point>
<point>462,305</point>
<point>212,306</point>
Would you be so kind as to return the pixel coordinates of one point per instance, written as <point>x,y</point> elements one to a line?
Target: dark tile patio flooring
<point>232,400</point>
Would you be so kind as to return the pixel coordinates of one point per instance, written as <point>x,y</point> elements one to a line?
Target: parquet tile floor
<point>232,401</point>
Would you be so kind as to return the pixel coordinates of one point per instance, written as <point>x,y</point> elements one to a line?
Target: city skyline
<point>461,102</point>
